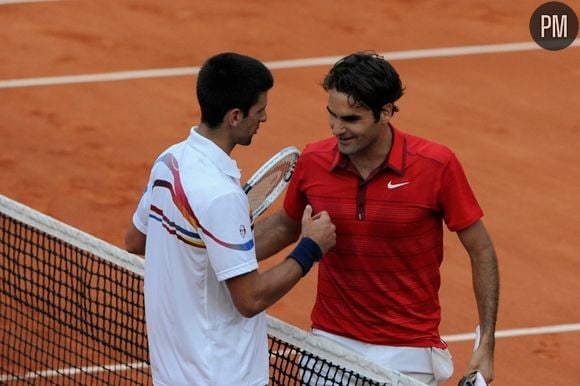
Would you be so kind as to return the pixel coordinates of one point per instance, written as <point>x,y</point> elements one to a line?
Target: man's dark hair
<point>227,81</point>
<point>368,80</point>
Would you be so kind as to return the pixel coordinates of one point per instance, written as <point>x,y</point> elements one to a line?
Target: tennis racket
<point>269,181</point>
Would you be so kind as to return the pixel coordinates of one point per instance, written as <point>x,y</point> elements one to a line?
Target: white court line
<point>4,2</point>
<point>280,64</point>
<point>73,371</point>
<point>449,338</point>
<point>518,332</point>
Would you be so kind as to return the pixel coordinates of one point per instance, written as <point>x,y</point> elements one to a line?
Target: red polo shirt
<point>379,284</point>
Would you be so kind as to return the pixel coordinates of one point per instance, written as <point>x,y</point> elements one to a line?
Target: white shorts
<point>428,364</point>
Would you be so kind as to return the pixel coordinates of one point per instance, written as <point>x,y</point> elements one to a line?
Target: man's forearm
<point>486,288</point>
<point>274,234</point>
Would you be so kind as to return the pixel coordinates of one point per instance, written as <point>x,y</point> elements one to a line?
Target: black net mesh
<point>70,317</point>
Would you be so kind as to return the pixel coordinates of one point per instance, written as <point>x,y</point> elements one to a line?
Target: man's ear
<point>387,112</point>
<point>233,117</point>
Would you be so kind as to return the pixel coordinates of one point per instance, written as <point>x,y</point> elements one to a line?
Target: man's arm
<point>275,233</point>
<point>135,240</point>
<point>485,276</point>
<point>253,292</point>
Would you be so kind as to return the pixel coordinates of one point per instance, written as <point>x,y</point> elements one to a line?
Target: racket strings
<point>266,185</point>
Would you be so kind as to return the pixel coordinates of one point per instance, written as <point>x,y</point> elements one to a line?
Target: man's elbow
<point>135,241</point>
<point>248,309</point>
<point>248,306</point>
<point>248,313</point>
<point>137,250</point>
<point>245,295</point>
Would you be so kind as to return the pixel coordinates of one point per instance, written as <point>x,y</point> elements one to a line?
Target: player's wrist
<point>306,253</point>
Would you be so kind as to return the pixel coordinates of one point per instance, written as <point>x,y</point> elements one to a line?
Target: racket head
<point>269,181</point>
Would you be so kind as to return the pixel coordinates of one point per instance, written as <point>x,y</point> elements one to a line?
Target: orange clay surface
<point>81,152</point>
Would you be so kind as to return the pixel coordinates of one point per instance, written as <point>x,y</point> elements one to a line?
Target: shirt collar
<point>395,159</point>
<point>214,153</point>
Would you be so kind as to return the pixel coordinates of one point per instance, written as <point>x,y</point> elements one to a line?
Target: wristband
<point>306,253</point>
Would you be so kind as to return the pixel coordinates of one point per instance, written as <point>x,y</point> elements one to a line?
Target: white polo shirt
<point>196,218</point>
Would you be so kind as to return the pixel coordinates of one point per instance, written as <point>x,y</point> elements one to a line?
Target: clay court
<point>79,148</point>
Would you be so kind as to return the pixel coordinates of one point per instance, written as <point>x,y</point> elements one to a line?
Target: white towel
<point>479,381</point>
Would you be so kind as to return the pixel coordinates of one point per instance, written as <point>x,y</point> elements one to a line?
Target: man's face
<point>354,126</point>
<point>249,125</point>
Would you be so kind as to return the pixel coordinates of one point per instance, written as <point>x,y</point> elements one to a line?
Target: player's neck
<point>373,155</point>
<point>217,136</point>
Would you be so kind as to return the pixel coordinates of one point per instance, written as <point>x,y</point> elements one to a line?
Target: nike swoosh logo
<point>390,185</point>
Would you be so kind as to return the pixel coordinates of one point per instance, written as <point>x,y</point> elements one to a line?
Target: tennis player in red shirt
<point>388,193</point>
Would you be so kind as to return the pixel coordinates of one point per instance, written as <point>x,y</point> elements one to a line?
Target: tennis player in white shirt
<point>204,296</point>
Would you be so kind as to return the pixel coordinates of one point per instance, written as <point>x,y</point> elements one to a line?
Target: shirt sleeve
<point>227,234</point>
<point>459,205</point>
<point>295,200</point>
<point>141,215</point>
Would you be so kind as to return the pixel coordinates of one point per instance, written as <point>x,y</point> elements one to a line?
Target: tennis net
<point>72,313</point>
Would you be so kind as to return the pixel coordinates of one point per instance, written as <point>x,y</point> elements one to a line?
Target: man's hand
<point>319,228</point>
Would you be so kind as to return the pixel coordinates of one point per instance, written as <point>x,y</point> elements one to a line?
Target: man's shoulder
<point>197,174</point>
<point>325,146</point>
<point>428,149</point>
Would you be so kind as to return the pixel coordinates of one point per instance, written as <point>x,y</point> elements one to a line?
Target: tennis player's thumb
<point>319,228</point>
<point>307,214</point>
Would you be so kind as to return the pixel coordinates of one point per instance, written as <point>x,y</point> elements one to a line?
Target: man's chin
<point>346,150</point>
<point>247,142</point>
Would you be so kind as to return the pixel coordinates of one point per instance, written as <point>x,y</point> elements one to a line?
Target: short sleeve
<point>228,235</point>
<point>458,203</point>
<point>141,215</point>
